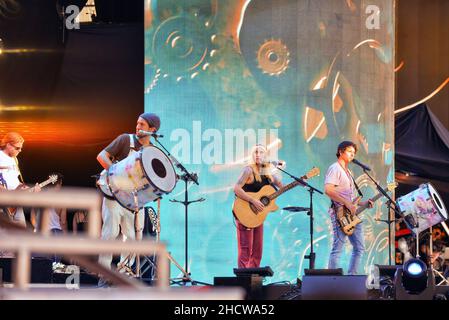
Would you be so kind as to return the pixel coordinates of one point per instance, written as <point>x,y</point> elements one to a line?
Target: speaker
<point>387,270</point>
<point>323,272</point>
<point>251,284</point>
<point>41,270</point>
<point>334,288</point>
<point>263,272</point>
<point>281,292</point>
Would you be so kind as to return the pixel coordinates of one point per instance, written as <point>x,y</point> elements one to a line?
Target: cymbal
<point>296,209</point>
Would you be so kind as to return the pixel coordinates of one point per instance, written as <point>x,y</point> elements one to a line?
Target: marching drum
<point>102,184</point>
<point>423,206</point>
<point>142,177</point>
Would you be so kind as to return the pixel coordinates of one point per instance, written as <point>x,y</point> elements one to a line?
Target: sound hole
<point>158,168</point>
<point>265,201</point>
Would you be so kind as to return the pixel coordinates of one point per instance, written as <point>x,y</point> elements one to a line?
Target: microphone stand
<point>311,256</point>
<point>391,204</point>
<point>186,177</point>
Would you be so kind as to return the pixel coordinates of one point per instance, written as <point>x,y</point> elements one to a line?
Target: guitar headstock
<point>312,173</point>
<point>392,185</point>
<point>52,178</point>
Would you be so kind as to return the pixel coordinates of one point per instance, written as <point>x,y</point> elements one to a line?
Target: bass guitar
<point>349,221</point>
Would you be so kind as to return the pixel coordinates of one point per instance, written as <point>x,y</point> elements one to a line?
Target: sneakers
<point>102,283</point>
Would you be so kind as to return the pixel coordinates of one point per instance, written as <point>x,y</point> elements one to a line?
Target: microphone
<point>364,167</point>
<point>149,133</point>
<point>275,163</point>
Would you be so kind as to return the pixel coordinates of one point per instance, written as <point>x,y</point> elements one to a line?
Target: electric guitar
<point>349,221</point>
<point>11,211</point>
<point>247,214</point>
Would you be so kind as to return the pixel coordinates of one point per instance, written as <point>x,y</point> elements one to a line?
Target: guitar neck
<point>284,189</point>
<point>46,182</point>
<point>360,209</point>
<point>43,184</point>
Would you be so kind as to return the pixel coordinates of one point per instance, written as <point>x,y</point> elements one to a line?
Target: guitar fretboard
<point>43,184</point>
<point>284,189</point>
<point>361,208</point>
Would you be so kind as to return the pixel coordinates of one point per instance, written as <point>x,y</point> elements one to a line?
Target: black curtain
<point>422,144</point>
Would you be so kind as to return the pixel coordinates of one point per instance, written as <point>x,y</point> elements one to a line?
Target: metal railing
<point>23,243</point>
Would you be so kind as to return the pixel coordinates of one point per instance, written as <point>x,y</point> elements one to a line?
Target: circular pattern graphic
<point>273,57</point>
<point>181,46</point>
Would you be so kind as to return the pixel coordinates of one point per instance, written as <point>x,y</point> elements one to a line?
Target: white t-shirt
<point>337,176</point>
<point>11,177</point>
<point>54,221</point>
<point>11,173</point>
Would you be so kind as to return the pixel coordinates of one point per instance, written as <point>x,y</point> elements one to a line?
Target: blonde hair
<point>11,137</point>
<point>255,168</point>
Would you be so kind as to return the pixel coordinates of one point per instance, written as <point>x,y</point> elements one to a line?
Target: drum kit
<point>137,181</point>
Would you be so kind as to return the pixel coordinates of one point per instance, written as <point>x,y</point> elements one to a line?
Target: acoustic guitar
<point>247,214</point>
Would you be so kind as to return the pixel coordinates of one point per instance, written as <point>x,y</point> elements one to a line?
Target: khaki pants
<point>116,218</point>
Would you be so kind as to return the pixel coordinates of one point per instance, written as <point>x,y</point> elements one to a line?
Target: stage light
<point>415,267</point>
<point>414,281</point>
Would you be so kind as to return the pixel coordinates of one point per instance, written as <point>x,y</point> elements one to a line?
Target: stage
<point>199,139</point>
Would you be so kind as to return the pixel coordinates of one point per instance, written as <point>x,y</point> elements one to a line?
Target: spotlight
<point>414,281</point>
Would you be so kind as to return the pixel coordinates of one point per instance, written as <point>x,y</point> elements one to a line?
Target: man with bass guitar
<point>339,187</point>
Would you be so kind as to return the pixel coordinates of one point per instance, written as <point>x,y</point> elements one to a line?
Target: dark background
<point>81,88</point>
<point>422,35</point>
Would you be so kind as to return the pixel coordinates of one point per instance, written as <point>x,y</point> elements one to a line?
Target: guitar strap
<point>356,186</point>
<point>3,181</point>
<point>333,205</point>
<point>18,169</point>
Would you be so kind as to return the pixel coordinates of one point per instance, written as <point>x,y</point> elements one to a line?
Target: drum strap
<point>131,141</point>
<point>158,217</point>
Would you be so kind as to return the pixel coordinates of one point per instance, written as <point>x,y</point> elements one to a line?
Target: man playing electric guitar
<point>10,147</point>
<point>339,186</point>
<point>253,178</point>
